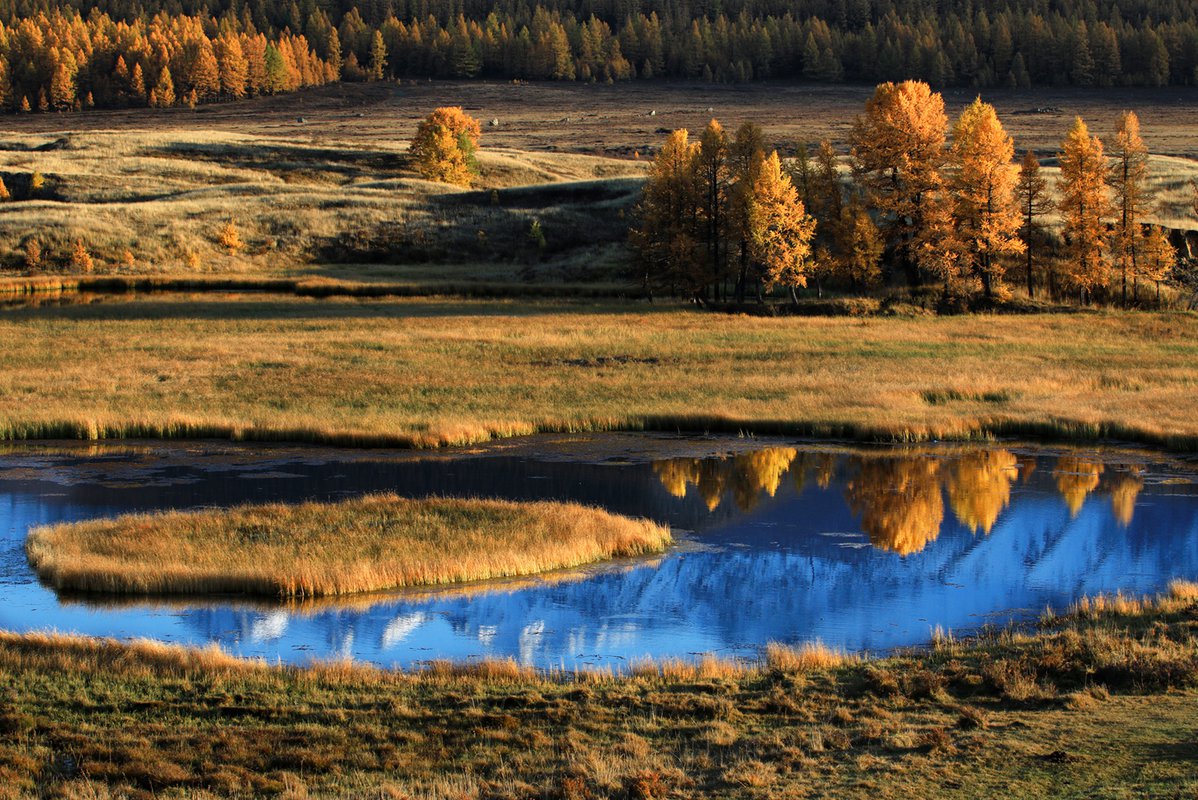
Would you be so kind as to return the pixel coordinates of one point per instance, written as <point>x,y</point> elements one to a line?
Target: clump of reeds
<point>807,657</point>
<point>372,543</point>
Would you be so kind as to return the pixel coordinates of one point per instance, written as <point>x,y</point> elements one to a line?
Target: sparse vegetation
<point>321,549</point>
<point>1101,697</point>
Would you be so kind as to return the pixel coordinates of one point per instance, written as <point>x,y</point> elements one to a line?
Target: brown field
<point>443,372</point>
<point>614,120</point>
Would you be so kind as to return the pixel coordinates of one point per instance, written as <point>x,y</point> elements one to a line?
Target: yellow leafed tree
<point>1129,178</point>
<point>1084,204</point>
<point>664,236</point>
<point>780,230</point>
<point>985,214</point>
<point>444,146</point>
<point>898,152</point>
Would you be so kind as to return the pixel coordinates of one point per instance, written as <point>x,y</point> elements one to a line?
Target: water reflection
<point>865,548</point>
<point>899,499</point>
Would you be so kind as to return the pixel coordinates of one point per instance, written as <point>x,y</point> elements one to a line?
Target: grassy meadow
<point>152,202</point>
<point>310,550</point>
<point>429,372</point>
<point>1098,704</point>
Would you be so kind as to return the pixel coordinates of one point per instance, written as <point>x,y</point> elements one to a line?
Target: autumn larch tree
<point>1157,261</point>
<point>745,156</point>
<point>985,215</point>
<point>827,207</point>
<point>779,228</point>
<point>664,234</point>
<point>713,173</point>
<point>444,146</point>
<point>1084,205</point>
<point>1034,203</point>
<point>1129,178</point>
<point>898,150</point>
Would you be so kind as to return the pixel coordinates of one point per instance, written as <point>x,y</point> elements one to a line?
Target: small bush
<point>81,260</point>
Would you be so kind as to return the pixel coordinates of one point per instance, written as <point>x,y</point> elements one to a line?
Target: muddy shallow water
<point>862,548</point>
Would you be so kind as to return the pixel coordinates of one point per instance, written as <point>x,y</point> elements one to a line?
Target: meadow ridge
<point>1096,703</point>
<point>439,372</point>
<point>313,550</point>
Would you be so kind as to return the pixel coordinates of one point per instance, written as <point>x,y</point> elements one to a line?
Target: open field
<point>308,550</point>
<point>150,191</point>
<point>1098,704</point>
<point>431,373</point>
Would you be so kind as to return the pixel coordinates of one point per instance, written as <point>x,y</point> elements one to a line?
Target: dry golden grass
<point>1100,702</point>
<point>807,657</point>
<point>321,549</point>
<point>432,373</point>
<point>166,196</point>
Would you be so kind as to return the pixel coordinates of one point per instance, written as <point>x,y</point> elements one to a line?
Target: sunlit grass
<point>430,373</point>
<point>322,549</point>
<point>1098,700</point>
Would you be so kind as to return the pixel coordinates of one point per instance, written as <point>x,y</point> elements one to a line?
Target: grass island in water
<point>372,543</point>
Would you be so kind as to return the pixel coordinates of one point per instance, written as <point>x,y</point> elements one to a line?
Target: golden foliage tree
<point>779,229</point>
<point>81,260</point>
<point>1034,202</point>
<point>163,93</point>
<point>444,147</point>
<point>229,237</point>
<point>985,215</point>
<point>898,153</point>
<point>1129,185</point>
<point>1157,261</point>
<point>713,174</point>
<point>664,235</point>
<point>1084,204</point>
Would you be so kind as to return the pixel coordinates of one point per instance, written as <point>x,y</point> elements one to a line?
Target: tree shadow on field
<point>180,308</point>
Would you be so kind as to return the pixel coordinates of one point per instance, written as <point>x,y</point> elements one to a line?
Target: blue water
<point>865,549</point>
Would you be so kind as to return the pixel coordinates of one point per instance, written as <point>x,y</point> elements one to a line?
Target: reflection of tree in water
<point>1027,465</point>
<point>1076,478</point>
<point>899,501</point>
<point>705,474</point>
<point>750,474</point>
<point>979,487</point>
<point>757,472</point>
<point>1125,488</point>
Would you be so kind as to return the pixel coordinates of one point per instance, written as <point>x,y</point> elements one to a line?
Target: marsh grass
<point>313,550</point>
<point>1101,699</point>
<point>430,373</point>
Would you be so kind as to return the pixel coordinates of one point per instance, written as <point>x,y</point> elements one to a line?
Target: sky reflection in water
<point>866,549</point>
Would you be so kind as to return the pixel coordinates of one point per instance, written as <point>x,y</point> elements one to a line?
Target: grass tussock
<point>1099,700</point>
<point>807,657</point>
<point>310,550</point>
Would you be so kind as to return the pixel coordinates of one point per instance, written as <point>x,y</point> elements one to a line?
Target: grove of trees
<point>59,54</point>
<point>913,207</point>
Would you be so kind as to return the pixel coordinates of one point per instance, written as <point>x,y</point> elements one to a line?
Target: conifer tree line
<point>60,61</point>
<point>909,206</point>
<point>68,50</point>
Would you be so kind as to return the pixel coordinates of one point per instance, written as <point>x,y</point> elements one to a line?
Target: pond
<point>863,548</point>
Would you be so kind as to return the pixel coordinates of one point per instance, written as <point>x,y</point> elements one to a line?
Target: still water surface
<point>866,549</point>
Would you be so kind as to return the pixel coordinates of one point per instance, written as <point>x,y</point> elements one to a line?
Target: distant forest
<point>66,53</point>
